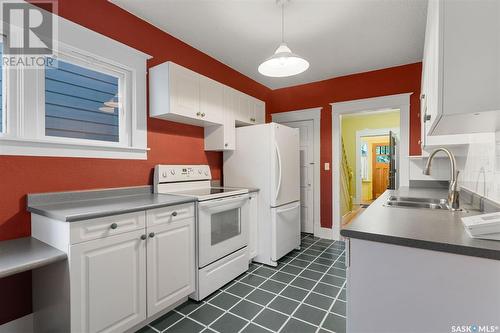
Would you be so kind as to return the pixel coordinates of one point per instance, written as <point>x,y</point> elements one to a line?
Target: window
<point>382,154</point>
<point>90,102</point>
<point>364,161</point>
<point>81,103</point>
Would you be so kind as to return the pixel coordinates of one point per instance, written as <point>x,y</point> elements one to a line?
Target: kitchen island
<point>417,270</point>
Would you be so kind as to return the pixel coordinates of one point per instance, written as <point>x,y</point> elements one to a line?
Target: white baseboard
<point>326,233</point>
<point>20,325</point>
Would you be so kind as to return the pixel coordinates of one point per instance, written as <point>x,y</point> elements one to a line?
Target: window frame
<point>24,99</point>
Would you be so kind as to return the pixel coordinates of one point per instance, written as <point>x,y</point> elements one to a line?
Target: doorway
<point>308,123</point>
<point>399,102</point>
<point>306,128</point>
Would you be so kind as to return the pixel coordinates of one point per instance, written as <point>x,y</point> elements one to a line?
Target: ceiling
<point>337,37</point>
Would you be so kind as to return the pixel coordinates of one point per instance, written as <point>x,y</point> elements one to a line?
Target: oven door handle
<point>223,201</point>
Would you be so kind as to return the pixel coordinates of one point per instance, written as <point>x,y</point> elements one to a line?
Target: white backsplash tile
<point>479,169</point>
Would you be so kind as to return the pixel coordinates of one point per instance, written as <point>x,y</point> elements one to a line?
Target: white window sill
<point>27,147</point>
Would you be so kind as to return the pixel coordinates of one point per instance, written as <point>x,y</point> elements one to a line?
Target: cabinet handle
<point>174,213</point>
<point>203,114</point>
<point>151,234</point>
<point>198,114</point>
<point>225,145</point>
<point>113,226</point>
<point>143,237</point>
<point>427,117</point>
<point>422,96</point>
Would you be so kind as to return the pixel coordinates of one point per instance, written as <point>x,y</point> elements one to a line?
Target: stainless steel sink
<point>410,202</point>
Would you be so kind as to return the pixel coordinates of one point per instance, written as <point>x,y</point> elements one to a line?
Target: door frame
<point>361,134</point>
<point>313,114</point>
<point>399,101</point>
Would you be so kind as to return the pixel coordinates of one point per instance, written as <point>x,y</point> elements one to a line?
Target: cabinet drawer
<point>169,214</point>
<point>106,226</point>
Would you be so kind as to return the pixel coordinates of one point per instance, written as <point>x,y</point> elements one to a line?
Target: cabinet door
<point>432,84</point>
<point>259,112</point>
<point>108,283</point>
<point>245,109</point>
<point>253,221</point>
<point>211,101</point>
<point>185,91</point>
<point>171,263</point>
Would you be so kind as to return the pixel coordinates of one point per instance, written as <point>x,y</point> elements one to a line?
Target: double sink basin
<point>409,202</point>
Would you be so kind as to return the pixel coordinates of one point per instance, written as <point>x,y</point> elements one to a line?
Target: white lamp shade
<point>283,63</point>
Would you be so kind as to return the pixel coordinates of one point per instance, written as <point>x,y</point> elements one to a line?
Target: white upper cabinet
<point>211,101</point>
<point>461,76</point>
<point>181,95</point>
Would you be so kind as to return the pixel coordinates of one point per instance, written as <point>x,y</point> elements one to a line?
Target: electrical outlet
<point>327,166</point>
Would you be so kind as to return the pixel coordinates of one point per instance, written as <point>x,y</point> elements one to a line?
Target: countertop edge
<point>81,217</point>
<point>423,244</point>
<point>25,247</point>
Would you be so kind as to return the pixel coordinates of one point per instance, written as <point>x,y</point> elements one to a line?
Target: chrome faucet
<point>453,202</point>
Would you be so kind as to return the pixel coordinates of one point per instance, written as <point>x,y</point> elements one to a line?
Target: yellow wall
<point>352,124</point>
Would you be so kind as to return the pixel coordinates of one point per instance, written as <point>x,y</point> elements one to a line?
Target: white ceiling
<point>338,37</point>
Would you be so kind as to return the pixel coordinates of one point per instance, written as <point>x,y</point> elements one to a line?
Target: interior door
<point>380,168</point>
<point>306,141</point>
<point>392,161</point>
<point>285,165</point>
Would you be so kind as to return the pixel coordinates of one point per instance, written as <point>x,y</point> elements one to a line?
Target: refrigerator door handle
<point>279,174</point>
<point>279,211</point>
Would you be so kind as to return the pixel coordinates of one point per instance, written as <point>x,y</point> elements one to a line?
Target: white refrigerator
<point>267,157</point>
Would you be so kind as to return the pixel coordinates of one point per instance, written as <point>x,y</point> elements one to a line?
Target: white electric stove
<point>222,223</point>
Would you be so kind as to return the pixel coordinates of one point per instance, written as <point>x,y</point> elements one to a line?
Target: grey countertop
<point>83,205</point>
<point>23,254</point>
<point>432,229</point>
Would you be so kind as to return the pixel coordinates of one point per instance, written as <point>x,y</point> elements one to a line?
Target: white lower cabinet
<point>253,241</point>
<point>108,283</point>
<point>171,264</point>
<point>116,281</point>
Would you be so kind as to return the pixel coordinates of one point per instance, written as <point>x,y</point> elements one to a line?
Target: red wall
<point>390,81</point>
<point>169,142</point>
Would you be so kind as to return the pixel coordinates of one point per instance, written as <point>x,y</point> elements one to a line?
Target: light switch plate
<point>327,166</point>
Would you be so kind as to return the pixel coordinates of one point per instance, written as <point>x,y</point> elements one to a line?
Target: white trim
<point>399,101</point>
<point>361,134</point>
<point>19,325</point>
<point>313,114</point>
<point>25,99</point>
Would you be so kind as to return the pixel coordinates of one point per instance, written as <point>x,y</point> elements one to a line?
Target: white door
<point>108,283</point>
<point>211,101</point>
<point>306,128</point>
<point>285,229</point>
<point>285,165</point>
<point>171,263</point>
<point>185,93</point>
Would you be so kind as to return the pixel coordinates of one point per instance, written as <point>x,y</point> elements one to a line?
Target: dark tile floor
<point>305,293</point>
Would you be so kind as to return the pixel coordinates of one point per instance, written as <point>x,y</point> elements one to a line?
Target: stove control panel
<point>166,173</point>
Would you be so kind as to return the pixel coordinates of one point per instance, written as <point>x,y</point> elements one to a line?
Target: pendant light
<point>284,62</point>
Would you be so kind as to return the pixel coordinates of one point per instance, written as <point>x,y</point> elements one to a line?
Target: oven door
<point>222,227</point>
